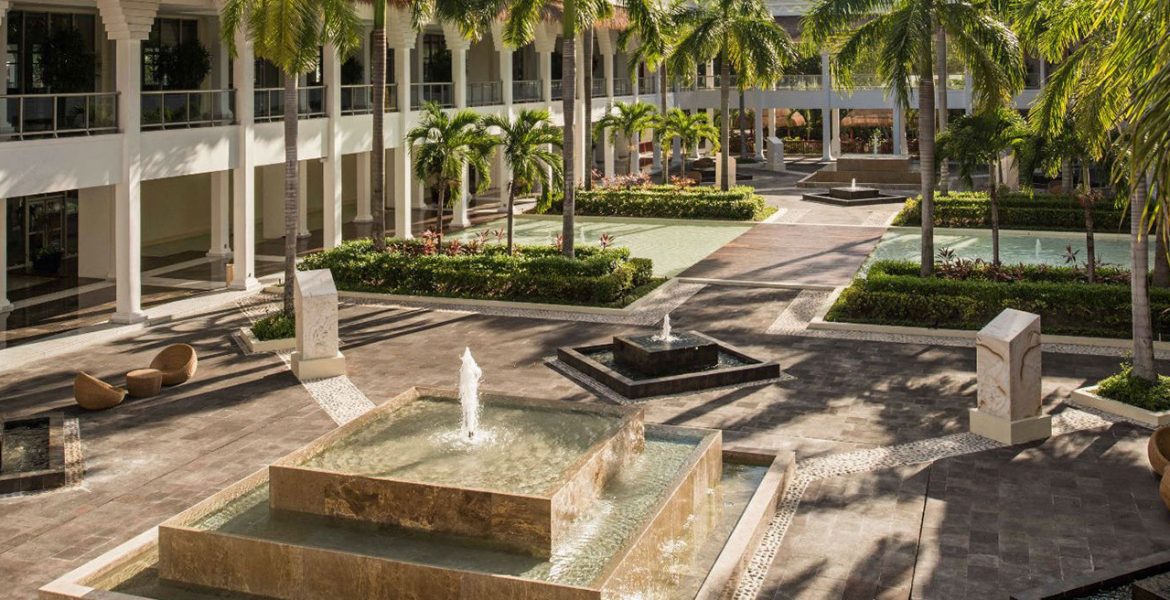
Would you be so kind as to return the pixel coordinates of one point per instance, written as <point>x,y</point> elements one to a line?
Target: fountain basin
<point>393,466</point>
<point>853,196</point>
<point>732,367</point>
<point>32,453</point>
<point>684,351</point>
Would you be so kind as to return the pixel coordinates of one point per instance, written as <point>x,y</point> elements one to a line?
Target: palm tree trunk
<point>378,166</point>
<point>662,87</point>
<point>1161,261</point>
<point>439,213</point>
<point>1066,176</point>
<point>1143,328</point>
<point>926,166</point>
<point>635,162</point>
<point>1090,243</point>
<point>995,214</point>
<point>290,189</point>
<point>943,102</point>
<point>743,128</point>
<point>587,60</point>
<point>569,104</point>
<point>683,158</point>
<point>725,114</point>
<point>511,216</point>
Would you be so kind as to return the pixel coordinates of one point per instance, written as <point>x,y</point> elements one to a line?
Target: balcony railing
<point>526,90</point>
<point>31,116</point>
<point>442,94</point>
<point>648,85</point>
<point>598,87</point>
<point>799,82</point>
<point>359,99</point>
<point>556,90</point>
<point>187,108</point>
<point>270,103</point>
<point>484,93</point>
<point>621,87</point>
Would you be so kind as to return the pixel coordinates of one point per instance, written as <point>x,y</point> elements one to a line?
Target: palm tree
<point>901,34</point>
<point>628,119</point>
<point>654,25</point>
<point>575,16</point>
<point>443,145</point>
<point>744,36</point>
<point>524,144</point>
<point>690,130</point>
<point>289,34</point>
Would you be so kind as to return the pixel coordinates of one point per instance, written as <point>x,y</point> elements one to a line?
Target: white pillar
<point>506,77</point>
<point>128,190</point>
<point>544,43</point>
<point>244,173</point>
<point>968,91</point>
<point>4,124</point>
<point>607,72</point>
<point>363,188</point>
<point>608,150</point>
<point>899,133</point>
<point>5,305</point>
<point>331,174</point>
<point>759,125</point>
<point>303,199</point>
<point>710,77</point>
<point>503,177</point>
<point>584,159</point>
<point>458,46</point>
<point>402,38</point>
<point>826,109</point>
<point>221,194</point>
<point>836,132</point>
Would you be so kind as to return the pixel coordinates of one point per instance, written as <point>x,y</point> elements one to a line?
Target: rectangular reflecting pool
<point>1016,246</point>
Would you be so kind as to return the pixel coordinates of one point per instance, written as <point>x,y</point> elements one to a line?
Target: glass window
<point>166,33</point>
<point>436,59</point>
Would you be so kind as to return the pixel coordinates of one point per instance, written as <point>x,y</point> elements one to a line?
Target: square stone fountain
<point>534,500</point>
<point>853,195</point>
<point>32,453</point>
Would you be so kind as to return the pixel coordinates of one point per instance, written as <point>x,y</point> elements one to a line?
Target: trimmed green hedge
<point>275,326</point>
<point>894,294</point>
<point>597,277</point>
<point>740,203</point>
<point>1018,210</point>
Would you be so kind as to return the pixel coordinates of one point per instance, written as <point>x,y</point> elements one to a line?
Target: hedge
<point>894,294</point>
<point>1017,210</point>
<point>740,203</point>
<point>599,277</point>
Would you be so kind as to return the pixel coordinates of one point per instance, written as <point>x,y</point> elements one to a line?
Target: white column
<point>503,177</point>
<point>584,166</point>
<point>221,194</point>
<point>607,72</point>
<point>221,69</point>
<point>759,125</point>
<point>363,188</point>
<point>5,305</point>
<point>607,147</point>
<point>244,173</point>
<point>968,91</point>
<point>836,132</point>
<point>4,124</point>
<point>544,42</point>
<point>331,174</point>
<point>506,77</point>
<point>458,46</point>
<point>128,190</point>
<point>899,133</point>
<point>303,199</point>
<point>402,41</point>
<point>826,109</point>
<point>710,74</point>
<point>636,157</point>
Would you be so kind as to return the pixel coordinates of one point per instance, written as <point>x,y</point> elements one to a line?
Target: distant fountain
<point>469,376</point>
<point>1037,249</point>
<point>665,335</point>
<point>853,184</point>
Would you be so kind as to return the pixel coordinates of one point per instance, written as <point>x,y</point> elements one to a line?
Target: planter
<point>1087,397</point>
<point>255,345</point>
<point>1158,450</point>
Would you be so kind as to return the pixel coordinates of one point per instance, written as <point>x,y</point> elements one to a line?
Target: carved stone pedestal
<point>1008,366</point>
<point>317,355</point>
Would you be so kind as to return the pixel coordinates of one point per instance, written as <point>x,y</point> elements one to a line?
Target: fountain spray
<point>664,335</point>
<point>469,376</point>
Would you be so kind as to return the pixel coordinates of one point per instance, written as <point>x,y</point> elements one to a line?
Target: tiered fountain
<point>455,495</point>
<point>853,195</point>
<point>666,363</point>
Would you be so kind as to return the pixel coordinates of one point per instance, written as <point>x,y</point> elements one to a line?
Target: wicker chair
<point>1158,450</point>
<point>92,393</point>
<point>177,363</point>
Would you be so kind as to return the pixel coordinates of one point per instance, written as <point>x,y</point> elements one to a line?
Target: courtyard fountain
<point>852,196</point>
<point>666,363</point>
<point>553,500</point>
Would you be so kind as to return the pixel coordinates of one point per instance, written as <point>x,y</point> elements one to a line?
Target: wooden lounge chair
<point>177,363</point>
<point>92,393</point>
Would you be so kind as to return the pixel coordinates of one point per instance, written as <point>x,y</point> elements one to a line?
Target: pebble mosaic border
<point>74,461</point>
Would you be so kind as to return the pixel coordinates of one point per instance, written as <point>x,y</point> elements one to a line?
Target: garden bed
<point>969,296</point>
<point>602,277</point>
<point>1017,210</point>
<point>740,203</point>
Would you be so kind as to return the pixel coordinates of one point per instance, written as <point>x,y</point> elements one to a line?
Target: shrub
<point>1019,210</point>
<point>596,276</point>
<point>893,293</point>
<point>740,203</point>
<point>1124,387</point>
<point>276,326</point>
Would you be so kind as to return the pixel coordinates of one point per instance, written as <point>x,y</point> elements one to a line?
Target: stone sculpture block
<point>1008,370</point>
<point>719,170</point>
<point>776,154</point>
<point>315,301</point>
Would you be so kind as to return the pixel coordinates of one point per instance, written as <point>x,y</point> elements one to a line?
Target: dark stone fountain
<point>666,363</point>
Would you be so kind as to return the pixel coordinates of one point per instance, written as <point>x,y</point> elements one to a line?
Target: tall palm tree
<point>289,34</point>
<point>744,36</point>
<point>653,24</point>
<point>629,120</point>
<point>524,16</point>
<point>443,145</point>
<point>524,143</point>
<point>690,130</point>
<point>901,34</point>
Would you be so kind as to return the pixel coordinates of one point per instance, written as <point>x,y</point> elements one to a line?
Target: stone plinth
<point>683,353</point>
<point>776,154</point>
<point>317,355</point>
<point>1008,364</point>
<point>719,170</point>
<point>854,193</point>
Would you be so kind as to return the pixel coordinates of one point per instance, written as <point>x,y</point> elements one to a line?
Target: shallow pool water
<point>673,245</point>
<point>1031,247</point>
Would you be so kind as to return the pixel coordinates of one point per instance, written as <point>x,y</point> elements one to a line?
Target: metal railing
<point>484,93</point>
<point>358,99</point>
<point>526,90</point>
<point>800,82</point>
<point>442,94</point>
<point>598,87</point>
<point>648,85</point>
<point>187,108</point>
<point>556,90</point>
<point>622,87</point>
<point>29,116</point>
<point>269,103</point>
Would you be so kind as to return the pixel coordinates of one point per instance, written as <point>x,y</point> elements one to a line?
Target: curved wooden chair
<point>177,363</point>
<point>1158,450</point>
<point>92,393</point>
